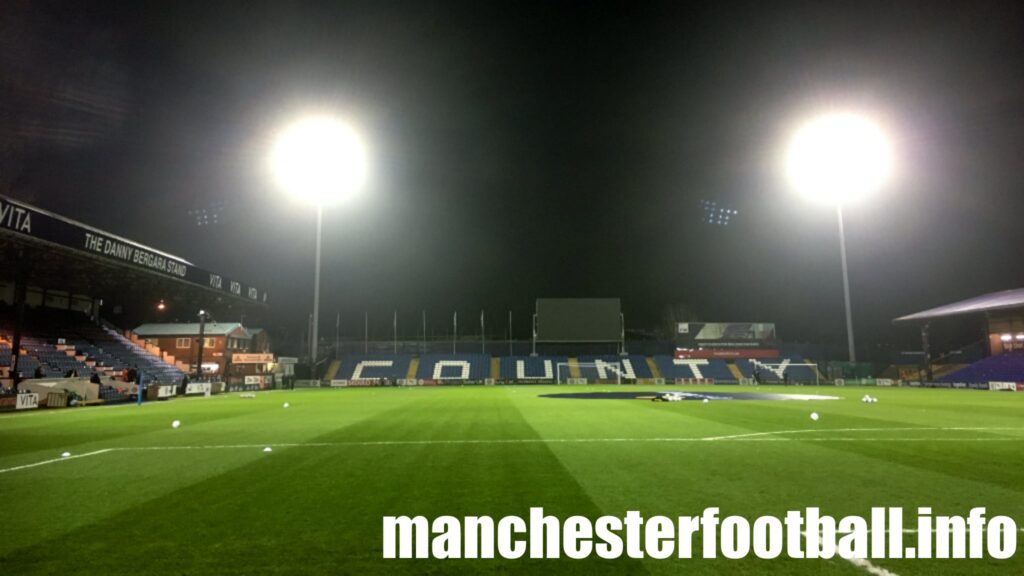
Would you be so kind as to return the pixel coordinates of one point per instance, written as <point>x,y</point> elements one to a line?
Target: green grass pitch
<point>204,499</point>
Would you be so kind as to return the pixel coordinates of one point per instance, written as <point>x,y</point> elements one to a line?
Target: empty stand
<point>58,341</point>
<point>1006,367</point>
<point>454,367</point>
<point>373,367</point>
<point>633,366</point>
<point>701,368</point>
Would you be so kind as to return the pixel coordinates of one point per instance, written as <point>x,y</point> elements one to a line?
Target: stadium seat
<point>633,366</point>
<point>1006,367</point>
<point>533,368</point>
<point>454,367</point>
<point>702,368</point>
<point>373,367</point>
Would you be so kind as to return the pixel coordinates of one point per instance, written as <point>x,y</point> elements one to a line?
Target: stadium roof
<point>189,329</point>
<point>70,255</point>
<point>1005,300</point>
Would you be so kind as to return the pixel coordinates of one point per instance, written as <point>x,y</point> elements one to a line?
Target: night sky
<point>527,150</point>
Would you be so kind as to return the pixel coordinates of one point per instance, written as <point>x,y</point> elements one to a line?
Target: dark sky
<point>526,150</point>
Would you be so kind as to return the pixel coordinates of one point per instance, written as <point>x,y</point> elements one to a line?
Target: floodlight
<point>839,157</point>
<point>320,160</point>
<point>834,159</point>
<point>1020,337</point>
<point>1006,337</point>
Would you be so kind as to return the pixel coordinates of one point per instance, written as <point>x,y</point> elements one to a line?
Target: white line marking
<point>867,566</point>
<point>863,564</point>
<point>776,436</point>
<point>62,459</point>
<point>819,430</point>
<point>772,436</point>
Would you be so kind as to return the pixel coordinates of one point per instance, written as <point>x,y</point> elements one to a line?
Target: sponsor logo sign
<point>198,388</point>
<point>27,221</point>
<point>241,358</point>
<point>27,401</point>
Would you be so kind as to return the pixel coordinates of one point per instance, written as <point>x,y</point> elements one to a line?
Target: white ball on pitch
<point>814,416</point>
<point>706,400</point>
<point>176,423</point>
<point>66,455</point>
<point>285,404</point>
<point>268,449</point>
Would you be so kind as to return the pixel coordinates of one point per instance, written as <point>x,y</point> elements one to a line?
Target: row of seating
<point>49,335</point>
<point>1005,367</point>
<point>560,368</point>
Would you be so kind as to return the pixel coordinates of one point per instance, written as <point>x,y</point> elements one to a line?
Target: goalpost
<point>563,375</point>
<point>810,365</point>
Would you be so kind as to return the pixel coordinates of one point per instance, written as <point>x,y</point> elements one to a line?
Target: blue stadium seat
<point>706,368</point>
<point>454,367</point>
<point>633,366</point>
<point>373,367</point>
<point>532,368</point>
<point>776,370</point>
<point>1006,367</point>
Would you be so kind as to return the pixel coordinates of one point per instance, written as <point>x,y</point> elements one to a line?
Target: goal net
<point>789,373</point>
<point>591,373</point>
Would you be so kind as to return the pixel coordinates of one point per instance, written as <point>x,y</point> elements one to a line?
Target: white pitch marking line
<point>867,566</point>
<point>51,461</point>
<point>772,436</point>
<point>819,430</point>
<point>775,436</point>
<point>864,564</point>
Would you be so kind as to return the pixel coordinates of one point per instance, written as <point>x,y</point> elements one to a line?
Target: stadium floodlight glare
<point>320,160</point>
<point>834,159</point>
<point>839,157</point>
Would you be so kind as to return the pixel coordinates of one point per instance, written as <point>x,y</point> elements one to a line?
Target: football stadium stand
<point>475,367</point>
<point>373,367</point>
<point>527,368</point>
<point>58,342</point>
<point>694,368</point>
<point>1006,367</point>
<point>777,370</point>
<point>632,366</point>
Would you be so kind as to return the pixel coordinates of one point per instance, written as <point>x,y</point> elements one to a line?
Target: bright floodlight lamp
<point>835,159</point>
<point>838,158</point>
<point>320,160</point>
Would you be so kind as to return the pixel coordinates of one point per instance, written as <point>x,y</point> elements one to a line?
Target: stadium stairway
<point>941,370</point>
<point>332,370</point>
<point>156,351</point>
<point>495,368</point>
<point>574,368</point>
<point>414,366</point>
<point>819,377</point>
<point>653,366</point>
<point>735,370</point>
